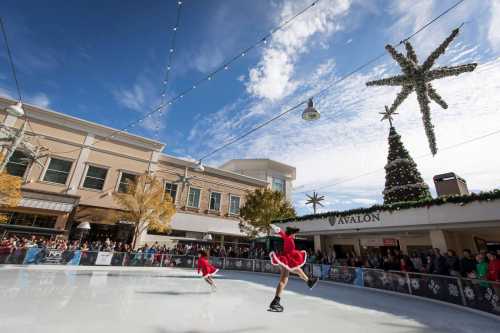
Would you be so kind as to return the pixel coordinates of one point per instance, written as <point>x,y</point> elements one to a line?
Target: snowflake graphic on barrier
<point>268,267</point>
<point>434,287</point>
<point>368,278</point>
<point>189,262</point>
<point>385,278</point>
<point>469,293</point>
<point>239,264</point>
<point>401,281</point>
<point>415,284</point>
<point>178,261</point>
<point>491,297</point>
<point>453,290</point>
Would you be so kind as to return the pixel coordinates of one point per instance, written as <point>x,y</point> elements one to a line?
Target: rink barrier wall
<point>471,293</point>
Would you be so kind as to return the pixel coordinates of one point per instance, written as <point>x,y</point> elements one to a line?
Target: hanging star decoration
<point>387,115</point>
<point>315,200</point>
<point>417,78</point>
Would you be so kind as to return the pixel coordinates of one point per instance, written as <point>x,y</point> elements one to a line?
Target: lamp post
<point>83,227</point>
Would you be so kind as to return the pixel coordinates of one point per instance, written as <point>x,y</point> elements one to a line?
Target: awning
<point>30,230</point>
<point>205,224</point>
<point>46,205</point>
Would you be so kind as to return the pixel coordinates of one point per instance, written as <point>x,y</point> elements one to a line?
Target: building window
<point>234,205</point>
<point>17,164</point>
<point>58,171</point>
<point>171,189</point>
<point>194,197</point>
<point>278,185</point>
<point>126,179</point>
<point>32,220</point>
<point>215,201</point>
<point>95,178</point>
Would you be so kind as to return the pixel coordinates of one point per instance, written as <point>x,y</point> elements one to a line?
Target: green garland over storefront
<point>458,199</point>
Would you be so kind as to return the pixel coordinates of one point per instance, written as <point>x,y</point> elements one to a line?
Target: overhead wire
<point>208,77</point>
<point>329,86</point>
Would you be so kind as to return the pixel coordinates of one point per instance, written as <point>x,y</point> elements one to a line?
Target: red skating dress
<point>290,258</point>
<point>205,267</point>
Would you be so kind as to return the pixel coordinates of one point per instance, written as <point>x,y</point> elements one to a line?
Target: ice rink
<point>167,300</point>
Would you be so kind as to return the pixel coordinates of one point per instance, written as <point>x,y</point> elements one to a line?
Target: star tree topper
<point>417,78</point>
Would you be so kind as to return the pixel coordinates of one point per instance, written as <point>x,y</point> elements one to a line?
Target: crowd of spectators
<point>480,266</point>
<point>484,265</point>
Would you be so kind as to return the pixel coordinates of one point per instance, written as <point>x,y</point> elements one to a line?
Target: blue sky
<point>104,61</point>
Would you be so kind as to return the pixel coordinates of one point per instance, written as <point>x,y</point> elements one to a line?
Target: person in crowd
<point>439,265</point>
<point>417,262</point>
<point>406,265</point>
<point>453,263</point>
<point>481,267</point>
<point>493,267</point>
<point>467,264</point>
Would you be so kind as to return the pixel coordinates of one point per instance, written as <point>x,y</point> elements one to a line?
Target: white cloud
<point>39,99</point>
<point>494,27</point>
<point>343,154</point>
<point>142,97</point>
<point>272,78</point>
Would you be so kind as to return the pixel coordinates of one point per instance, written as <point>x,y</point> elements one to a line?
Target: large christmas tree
<point>403,182</point>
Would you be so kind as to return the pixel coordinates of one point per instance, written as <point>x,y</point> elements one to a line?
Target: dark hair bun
<point>292,230</point>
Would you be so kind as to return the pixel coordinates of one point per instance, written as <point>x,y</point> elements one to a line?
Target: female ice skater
<point>206,269</point>
<point>289,260</point>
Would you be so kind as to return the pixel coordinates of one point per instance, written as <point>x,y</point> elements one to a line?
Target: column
<point>222,240</point>
<point>153,162</point>
<point>61,221</point>
<point>79,168</point>
<point>438,240</point>
<point>317,243</point>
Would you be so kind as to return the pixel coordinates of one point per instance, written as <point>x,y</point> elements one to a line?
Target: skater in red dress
<point>289,260</point>
<point>206,268</point>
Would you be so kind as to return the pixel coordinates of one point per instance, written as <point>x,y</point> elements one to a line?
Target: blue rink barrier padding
<point>476,294</point>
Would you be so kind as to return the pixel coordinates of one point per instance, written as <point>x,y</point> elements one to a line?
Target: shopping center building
<point>463,221</point>
<point>81,164</point>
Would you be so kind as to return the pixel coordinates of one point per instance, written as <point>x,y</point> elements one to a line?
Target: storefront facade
<point>474,225</point>
<point>83,164</point>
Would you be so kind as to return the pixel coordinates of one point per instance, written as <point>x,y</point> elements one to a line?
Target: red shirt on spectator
<point>493,270</point>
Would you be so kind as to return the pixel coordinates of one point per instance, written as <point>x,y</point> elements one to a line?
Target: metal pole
<point>461,289</point>
<point>408,281</point>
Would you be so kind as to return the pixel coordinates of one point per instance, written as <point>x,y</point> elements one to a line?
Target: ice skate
<point>275,305</point>
<point>213,287</point>
<point>312,282</point>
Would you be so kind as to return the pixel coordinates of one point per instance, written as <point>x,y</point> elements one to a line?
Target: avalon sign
<point>357,218</point>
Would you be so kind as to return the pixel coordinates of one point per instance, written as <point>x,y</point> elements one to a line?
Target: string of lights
<point>263,41</point>
<point>329,86</point>
<point>168,69</point>
<point>345,180</point>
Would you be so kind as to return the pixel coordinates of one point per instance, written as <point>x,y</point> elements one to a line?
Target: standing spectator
<point>417,262</point>
<point>439,264</point>
<point>467,264</point>
<point>406,264</point>
<point>493,267</point>
<point>453,263</point>
<point>481,267</point>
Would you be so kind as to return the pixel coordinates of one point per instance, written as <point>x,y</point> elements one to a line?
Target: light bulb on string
<point>209,78</point>
<point>175,29</point>
<point>226,67</point>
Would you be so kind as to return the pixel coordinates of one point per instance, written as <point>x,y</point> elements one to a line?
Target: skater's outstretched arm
<point>277,230</point>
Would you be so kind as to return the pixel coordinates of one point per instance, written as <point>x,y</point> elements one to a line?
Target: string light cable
<point>209,77</point>
<point>329,86</point>
<point>168,69</point>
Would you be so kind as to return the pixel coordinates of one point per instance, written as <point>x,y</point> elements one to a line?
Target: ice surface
<point>167,300</point>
